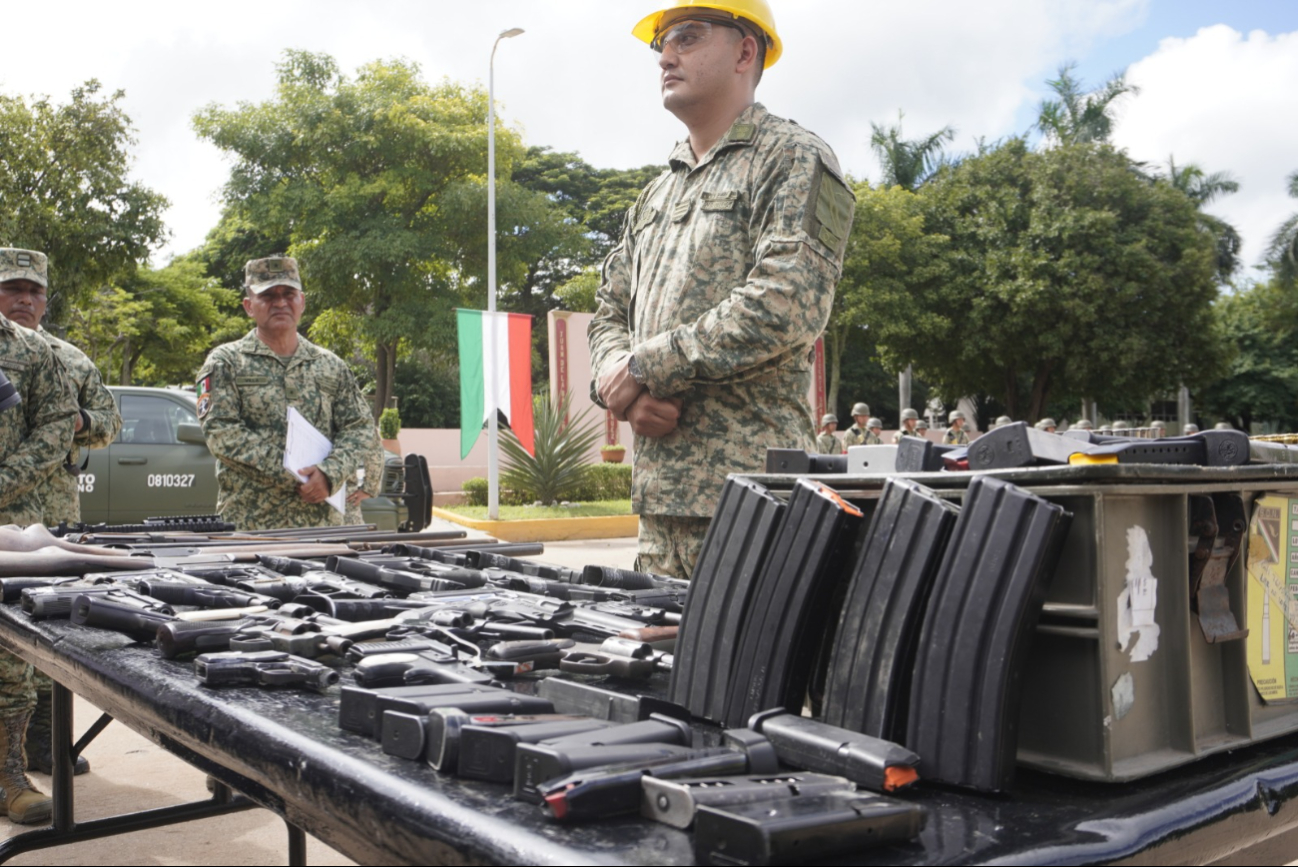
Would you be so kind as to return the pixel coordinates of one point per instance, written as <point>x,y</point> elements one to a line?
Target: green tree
<point>889,253</point>
<point>1261,382</point>
<point>377,181</point>
<point>1078,116</point>
<point>64,185</point>
<point>1202,189</point>
<point>155,326</point>
<point>908,163</point>
<point>1282,252</point>
<point>1064,274</point>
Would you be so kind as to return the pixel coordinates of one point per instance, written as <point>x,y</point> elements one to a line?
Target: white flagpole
<point>488,347</point>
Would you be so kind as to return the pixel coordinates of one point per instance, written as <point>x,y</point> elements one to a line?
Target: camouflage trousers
<point>670,544</point>
<point>17,684</point>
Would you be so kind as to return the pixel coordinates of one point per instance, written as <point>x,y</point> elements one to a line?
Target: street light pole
<point>493,433</point>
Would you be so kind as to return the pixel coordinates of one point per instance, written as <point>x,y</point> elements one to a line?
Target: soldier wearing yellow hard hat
<point>752,14</point>
<point>713,366</point>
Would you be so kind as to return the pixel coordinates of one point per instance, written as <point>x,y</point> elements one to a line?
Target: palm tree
<point>1202,188</point>
<point>1283,250</point>
<point>1078,117</point>
<point>908,163</point>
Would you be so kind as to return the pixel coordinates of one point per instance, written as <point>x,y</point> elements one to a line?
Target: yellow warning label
<point>1273,598</point>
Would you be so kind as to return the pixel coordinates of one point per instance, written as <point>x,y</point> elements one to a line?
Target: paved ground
<point>129,772</point>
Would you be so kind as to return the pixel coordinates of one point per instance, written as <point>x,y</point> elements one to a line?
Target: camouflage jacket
<point>828,444</point>
<point>855,436</point>
<point>59,492</point>
<point>954,437</point>
<point>896,438</point>
<point>244,392</point>
<point>35,435</point>
<point>721,283</point>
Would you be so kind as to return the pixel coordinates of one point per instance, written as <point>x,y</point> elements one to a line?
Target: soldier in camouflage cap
<point>1190,428</point>
<point>24,284</point>
<point>244,391</point>
<point>827,443</point>
<point>710,305</point>
<point>857,434</point>
<point>35,437</point>
<point>24,300</point>
<point>1083,424</point>
<point>909,423</point>
<point>873,429</point>
<point>955,435</point>
<point>1047,424</point>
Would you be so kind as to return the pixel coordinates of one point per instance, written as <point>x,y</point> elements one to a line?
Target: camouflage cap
<point>18,264</point>
<point>861,409</point>
<point>1083,424</point>
<point>1191,429</point>
<point>873,423</point>
<point>908,414</point>
<point>262,274</point>
<point>828,418</point>
<point>1046,423</point>
<point>954,415</point>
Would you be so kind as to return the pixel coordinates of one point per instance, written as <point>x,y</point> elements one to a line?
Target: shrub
<point>559,466</point>
<point>389,423</point>
<point>475,494</point>
<point>605,482</point>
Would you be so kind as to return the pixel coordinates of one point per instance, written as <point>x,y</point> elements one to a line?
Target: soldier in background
<point>1190,428</point>
<point>711,363</point>
<point>1121,425</point>
<point>97,424</point>
<point>1083,424</point>
<point>1157,429</point>
<point>858,433</point>
<point>36,429</point>
<point>244,391</point>
<point>909,423</point>
<point>874,431</point>
<point>921,427</point>
<point>955,435</point>
<point>1001,420</point>
<point>1047,424</point>
<point>826,442</point>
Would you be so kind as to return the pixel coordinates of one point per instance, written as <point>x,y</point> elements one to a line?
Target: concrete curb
<point>550,529</point>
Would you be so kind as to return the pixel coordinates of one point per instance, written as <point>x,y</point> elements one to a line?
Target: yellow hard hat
<point>756,11</point>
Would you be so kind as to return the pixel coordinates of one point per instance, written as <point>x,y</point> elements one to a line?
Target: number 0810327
<point>171,480</point>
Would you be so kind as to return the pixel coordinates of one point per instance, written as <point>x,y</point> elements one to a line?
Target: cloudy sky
<point>1217,80</point>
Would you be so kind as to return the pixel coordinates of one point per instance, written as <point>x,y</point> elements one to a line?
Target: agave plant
<point>561,445</point>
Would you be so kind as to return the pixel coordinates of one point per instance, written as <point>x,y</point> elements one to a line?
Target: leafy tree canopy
<point>64,185</point>
<point>1062,274</point>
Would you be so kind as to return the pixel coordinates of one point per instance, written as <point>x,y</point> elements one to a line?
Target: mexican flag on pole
<point>495,373</point>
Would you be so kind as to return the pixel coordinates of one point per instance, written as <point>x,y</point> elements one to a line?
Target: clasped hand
<point>630,401</point>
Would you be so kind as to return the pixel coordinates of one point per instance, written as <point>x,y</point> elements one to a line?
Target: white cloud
<point>1222,100</point>
<point>576,80</point>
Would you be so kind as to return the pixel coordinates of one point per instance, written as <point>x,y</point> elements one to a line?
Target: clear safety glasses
<point>684,36</point>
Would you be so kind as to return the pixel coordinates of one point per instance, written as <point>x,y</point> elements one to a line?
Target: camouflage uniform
<point>954,437</point>
<point>244,391</point>
<point>856,436</point>
<point>896,438</point>
<point>35,437</point>
<point>722,281</point>
<point>101,424</point>
<point>828,444</point>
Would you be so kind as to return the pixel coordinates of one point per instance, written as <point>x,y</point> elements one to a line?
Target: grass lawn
<point>522,513</point>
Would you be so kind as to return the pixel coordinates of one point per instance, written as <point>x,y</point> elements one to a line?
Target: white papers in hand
<point>305,446</point>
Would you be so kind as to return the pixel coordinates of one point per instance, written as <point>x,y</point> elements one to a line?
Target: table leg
<point>61,744</point>
<point>296,845</point>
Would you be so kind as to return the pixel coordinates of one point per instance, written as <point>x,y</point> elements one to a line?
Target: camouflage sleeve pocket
<point>829,216</point>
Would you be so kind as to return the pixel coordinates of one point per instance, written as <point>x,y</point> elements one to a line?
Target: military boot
<point>40,756</point>
<point>26,804</point>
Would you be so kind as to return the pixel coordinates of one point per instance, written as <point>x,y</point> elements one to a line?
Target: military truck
<point>160,465</point>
